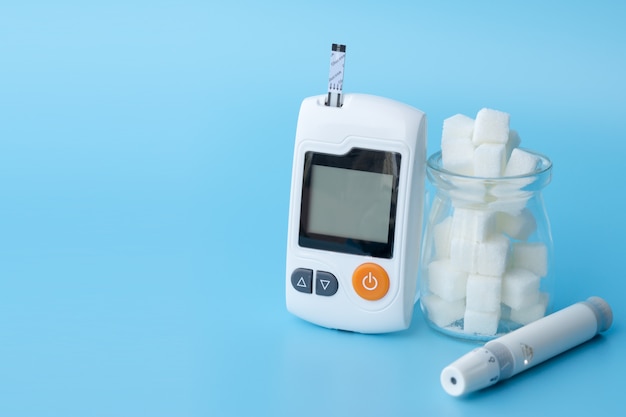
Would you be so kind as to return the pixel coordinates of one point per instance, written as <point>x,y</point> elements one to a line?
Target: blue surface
<point>145,157</point>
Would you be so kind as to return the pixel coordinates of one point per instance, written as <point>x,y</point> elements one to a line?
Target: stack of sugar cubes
<point>484,268</point>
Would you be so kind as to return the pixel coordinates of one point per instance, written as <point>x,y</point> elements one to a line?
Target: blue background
<point>145,163</point>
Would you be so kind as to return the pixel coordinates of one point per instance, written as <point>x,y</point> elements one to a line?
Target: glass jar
<point>486,256</point>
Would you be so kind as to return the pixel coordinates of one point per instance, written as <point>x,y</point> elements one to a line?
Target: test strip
<point>335,76</point>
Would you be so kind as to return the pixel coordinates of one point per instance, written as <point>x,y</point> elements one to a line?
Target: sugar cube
<point>483,293</point>
<point>487,258</point>
<point>472,225</point>
<point>492,256</point>
<point>481,322</point>
<point>532,312</point>
<point>446,281</point>
<point>457,155</point>
<point>468,192</point>
<point>521,163</point>
<point>464,254</point>
<point>520,288</point>
<point>457,126</point>
<point>509,197</point>
<point>443,313</point>
<point>491,126</point>
<point>532,256</point>
<point>519,226</point>
<point>441,237</point>
<point>489,160</point>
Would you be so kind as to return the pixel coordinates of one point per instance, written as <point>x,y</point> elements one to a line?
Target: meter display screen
<point>349,202</point>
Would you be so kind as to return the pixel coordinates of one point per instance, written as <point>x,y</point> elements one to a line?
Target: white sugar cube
<point>483,293</point>
<point>486,258</point>
<point>473,225</point>
<point>519,226</point>
<point>489,160</point>
<point>513,142</point>
<point>520,288</point>
<point>441,237</point>
<point>480,322</point>
<point>464,254</point>
<point>521,163</point>
<point>443,313</point>
<point>468,192</point>
<point>508,196</point>
<point>492,256</point>
<point>532,256</point>
<point>532,312</point>
<point>457,126</point>
<point>446,281</point>
<point>491,126</point>
<point>457,155</point>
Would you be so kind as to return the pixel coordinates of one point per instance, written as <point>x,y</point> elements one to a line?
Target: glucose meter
<point>355,213</point>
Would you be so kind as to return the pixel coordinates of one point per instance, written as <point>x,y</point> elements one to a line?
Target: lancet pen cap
<point>603,312</point>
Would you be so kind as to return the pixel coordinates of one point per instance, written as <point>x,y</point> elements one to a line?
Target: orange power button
<point>370,281</point>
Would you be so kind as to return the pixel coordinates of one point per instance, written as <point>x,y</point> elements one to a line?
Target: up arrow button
<point>302,280</point>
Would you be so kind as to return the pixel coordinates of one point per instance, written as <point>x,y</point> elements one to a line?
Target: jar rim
<point>434,162</point>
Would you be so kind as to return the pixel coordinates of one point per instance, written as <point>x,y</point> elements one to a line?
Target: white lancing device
<point>527,346</point>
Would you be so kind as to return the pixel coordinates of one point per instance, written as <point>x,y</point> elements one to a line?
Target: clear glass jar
<point>486,256</point>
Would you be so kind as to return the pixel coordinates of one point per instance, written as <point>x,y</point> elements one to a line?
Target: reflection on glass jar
<point>486,255</point>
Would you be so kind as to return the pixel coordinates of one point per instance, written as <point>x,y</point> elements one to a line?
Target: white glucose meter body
<point>355,213</point>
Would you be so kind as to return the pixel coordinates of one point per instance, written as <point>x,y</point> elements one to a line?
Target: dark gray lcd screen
<point>349,202</point>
